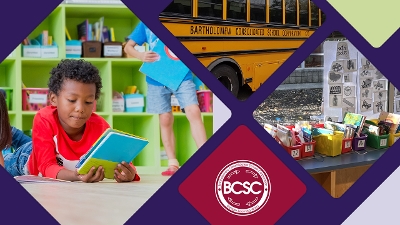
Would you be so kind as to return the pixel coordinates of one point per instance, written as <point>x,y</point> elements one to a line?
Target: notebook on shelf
<point>111,148</point>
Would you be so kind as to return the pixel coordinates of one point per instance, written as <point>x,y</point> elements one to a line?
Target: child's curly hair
<point>77,70</point>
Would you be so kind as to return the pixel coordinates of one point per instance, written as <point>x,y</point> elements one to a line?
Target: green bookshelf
<point>116,73</point>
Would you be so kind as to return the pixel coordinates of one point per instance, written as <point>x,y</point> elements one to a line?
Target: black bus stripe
<point>246,52</point>
<point>213,38</point>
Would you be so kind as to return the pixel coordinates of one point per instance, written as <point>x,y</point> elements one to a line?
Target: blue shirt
<point>142,34</point>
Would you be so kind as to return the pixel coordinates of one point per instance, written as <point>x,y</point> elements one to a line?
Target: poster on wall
<point>350,65</point>
<point>349,91</point>
<point>366,64</point>
<point>348,77</point>
<point>352,83</point>
<point>337,66</point>
<point>342,51</point>
<point>335,77</point>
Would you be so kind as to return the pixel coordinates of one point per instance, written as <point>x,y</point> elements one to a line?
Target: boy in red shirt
<point>66,130</point>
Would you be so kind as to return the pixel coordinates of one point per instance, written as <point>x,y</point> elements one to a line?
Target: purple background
<point>167,206</point>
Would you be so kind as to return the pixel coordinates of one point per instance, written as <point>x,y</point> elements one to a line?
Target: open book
<point>112,147</point>
<point>169,70</point>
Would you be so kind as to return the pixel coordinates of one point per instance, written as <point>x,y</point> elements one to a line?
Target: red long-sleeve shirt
<point>53,150</point>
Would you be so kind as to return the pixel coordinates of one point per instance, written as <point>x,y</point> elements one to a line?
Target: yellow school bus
<point>242,42</point>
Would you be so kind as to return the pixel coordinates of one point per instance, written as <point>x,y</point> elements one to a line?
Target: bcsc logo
<point>242,188</point>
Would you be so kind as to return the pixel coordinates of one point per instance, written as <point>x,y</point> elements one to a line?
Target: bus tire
<point>227,76</point>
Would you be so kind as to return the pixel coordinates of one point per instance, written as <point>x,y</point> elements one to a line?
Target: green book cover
<point>111,148</point>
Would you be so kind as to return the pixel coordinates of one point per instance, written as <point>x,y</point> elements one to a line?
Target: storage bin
<point>377,142</point>
<point>73,49</point>
<point>393,138</point>
<point>346,145</point>
<point>33,99</point>
<point>91,49</point>
<point>134,102</point>
<point>112,49</point>
<point>33,50</point>
<point>205,100</point>
<point>294,151</point>
<point>359,143</point>
<point>8,97</point>
<point>49,51</point>
<point>308,149</point>
<point>329,144</point>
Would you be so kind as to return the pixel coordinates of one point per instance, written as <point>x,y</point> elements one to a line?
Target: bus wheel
<point>227,76</point>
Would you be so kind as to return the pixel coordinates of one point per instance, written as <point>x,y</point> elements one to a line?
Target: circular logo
<point>242,187</point>
<point>170,54</point>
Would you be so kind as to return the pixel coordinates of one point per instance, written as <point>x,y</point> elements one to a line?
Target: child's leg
<point>187,97</point>
<point>196,124</point>
<point>159,102</point>
<point>168,137</point>
<point>15,163</point>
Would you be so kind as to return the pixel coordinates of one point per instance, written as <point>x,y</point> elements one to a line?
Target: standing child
<point>65,130</point>
<point>159,98</point>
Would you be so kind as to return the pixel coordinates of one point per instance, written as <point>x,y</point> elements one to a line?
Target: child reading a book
<point>64,131</point>
<point>159,97</point>
<point>9,135</point>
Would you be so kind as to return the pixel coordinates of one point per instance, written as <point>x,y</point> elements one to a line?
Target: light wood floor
<point>106,202</point>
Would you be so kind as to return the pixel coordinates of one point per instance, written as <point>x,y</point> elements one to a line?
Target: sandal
<point>170,171</point>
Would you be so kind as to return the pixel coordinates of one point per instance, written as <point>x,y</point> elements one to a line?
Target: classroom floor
<point>106,202</point>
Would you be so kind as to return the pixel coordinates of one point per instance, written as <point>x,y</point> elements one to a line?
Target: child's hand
<point>124,172</point>
<point>149,56</point>
<point>91,176</point>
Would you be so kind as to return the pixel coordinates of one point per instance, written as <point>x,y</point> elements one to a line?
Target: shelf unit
<point>116,73</point>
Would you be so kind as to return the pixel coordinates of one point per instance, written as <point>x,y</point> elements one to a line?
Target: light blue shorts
<point>159,97</point>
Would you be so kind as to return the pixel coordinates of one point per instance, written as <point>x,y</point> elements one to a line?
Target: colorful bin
<point>347,145</point>
<point>134,102</point>
<point>393,138</point>
<point>33,99</point>
<point>329,144</point>
<point>73,49</point>
<point>308,149</point>
<point>378,142</point>
<point>205,100</point>
<point>359,143</point>
<point>294,151</point>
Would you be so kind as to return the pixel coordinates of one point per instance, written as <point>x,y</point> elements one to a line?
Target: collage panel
<point>335,117</point>
<point>89,67</point>
<point>242,42</point>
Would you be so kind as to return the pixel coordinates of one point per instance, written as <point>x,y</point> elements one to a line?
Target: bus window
<point>314,15</point>
<point>291,12</point>
<point>275,11</point>
<point>236,9</point>
<point>181,7</point>
<point>303,13</point>
<point>257,10</point>
<point>210,8</point>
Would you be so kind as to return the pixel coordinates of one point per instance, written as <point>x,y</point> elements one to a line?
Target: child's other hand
<point>149,56</point>
<point>124,172</point>
<point>92,176</point>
